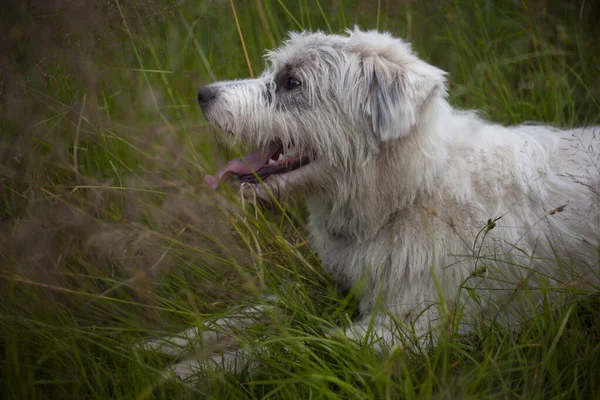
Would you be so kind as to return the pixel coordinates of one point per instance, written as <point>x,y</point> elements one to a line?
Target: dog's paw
<point>171,345</point>
<point>186,342</point>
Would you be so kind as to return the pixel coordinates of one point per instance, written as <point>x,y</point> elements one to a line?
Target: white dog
<point>409,198</point>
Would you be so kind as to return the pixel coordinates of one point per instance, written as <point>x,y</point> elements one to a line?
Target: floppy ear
<point>393,84</point>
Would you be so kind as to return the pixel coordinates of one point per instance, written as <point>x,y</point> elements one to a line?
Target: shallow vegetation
<point>108,234</point>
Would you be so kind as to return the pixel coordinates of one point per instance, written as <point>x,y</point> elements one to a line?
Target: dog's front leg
<point>384,332</point>
<point>214,333</point>
<point>373,331</point>
<point>233,361</point>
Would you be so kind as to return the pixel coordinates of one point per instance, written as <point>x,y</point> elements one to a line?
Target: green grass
<point>108,235</point>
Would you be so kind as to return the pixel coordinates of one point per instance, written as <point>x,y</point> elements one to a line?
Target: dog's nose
<point>206,94</point>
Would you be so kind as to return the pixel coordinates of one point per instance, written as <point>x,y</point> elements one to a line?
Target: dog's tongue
<point>251,163</point>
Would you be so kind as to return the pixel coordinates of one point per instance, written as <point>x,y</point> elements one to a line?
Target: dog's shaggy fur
<point>403,190</point>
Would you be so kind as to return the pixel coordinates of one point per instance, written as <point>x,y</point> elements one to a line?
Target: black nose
<point>206,94</point>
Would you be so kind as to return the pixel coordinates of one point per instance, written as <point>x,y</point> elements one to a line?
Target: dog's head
<point>324,105</point>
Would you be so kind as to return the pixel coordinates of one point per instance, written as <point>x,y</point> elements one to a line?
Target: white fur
<point>402,186</point>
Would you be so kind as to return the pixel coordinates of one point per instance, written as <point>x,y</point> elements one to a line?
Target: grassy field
<point>108,234</point>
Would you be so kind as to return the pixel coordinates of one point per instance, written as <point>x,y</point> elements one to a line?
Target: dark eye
<point>292,83</point>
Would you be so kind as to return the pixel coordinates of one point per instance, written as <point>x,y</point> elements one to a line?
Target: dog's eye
<point>292,82</point>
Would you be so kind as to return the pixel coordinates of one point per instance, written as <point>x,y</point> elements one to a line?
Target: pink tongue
<point>252,162</point>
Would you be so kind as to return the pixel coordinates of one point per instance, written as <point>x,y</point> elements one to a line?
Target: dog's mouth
<point>257,166</point>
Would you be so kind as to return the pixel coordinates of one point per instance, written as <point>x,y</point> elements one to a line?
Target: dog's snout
<point>206,94</point>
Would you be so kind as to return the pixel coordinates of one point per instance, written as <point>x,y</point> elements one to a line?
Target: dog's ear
<point>393,83</point>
